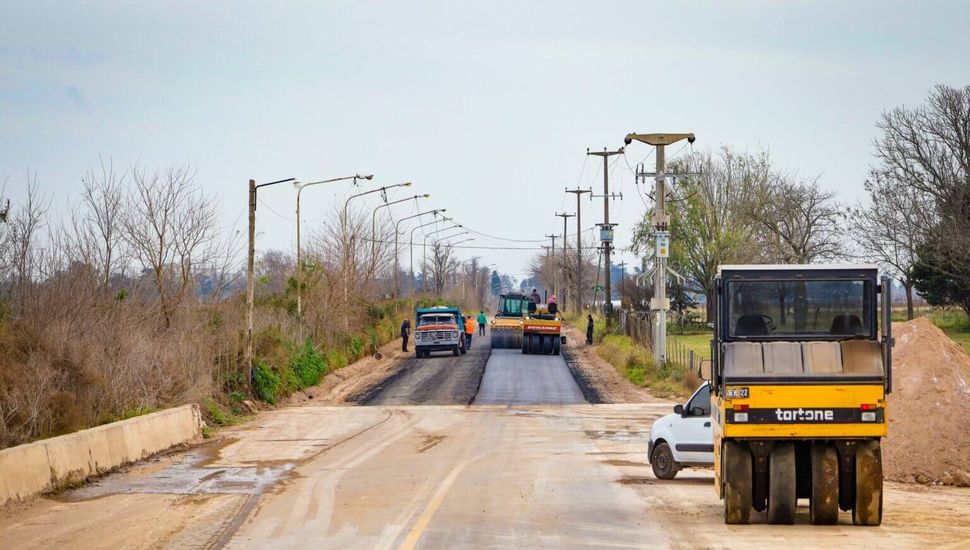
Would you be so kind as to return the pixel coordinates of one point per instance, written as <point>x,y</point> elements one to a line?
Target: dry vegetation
<point>132,302</point>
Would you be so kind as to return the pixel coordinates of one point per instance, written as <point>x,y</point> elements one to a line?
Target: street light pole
<point>251,280</point>
<point>373,219</point>
<point>411,240</point>
<point>299,262</point>
<point>397,232</point>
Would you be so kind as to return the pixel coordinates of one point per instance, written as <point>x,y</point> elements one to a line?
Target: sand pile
<point>929,409</point>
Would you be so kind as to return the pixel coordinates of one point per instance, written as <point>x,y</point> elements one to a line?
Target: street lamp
<point>251,278</point>
<point>462,241</point>
<point>411,239</point>
<point>373,218</point>
<point>397,232</point>
<point>299,265</point>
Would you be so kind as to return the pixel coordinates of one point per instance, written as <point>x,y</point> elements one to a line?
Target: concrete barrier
<point>51,464</point>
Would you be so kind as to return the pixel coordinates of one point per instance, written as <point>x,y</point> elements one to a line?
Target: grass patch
<point>953,322</point>
<point>699,343</point>
<point>636,364</point>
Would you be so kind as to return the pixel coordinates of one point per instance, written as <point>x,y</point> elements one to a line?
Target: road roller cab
<point>799,383</point>
<point>506,327</point>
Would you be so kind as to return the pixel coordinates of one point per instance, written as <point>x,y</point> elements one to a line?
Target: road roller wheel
<point>737,483</point>
<point>547,345</point>
<point>525,345</point>
<point>868,484</point>
<point>824,506</point>
<point>556,346</point>
<point>781,484</point>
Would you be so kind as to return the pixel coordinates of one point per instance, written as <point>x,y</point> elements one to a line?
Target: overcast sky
<point>488,106</point>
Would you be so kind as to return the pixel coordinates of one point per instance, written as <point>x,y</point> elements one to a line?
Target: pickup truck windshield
<point>436,320</point>
<point>811,308</point>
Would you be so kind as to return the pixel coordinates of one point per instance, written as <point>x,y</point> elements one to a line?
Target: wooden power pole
<point>565,217</point>
<point>579,246</point>
<point>607,226</point>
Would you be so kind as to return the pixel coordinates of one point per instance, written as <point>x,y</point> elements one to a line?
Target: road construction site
<point>489,449</point>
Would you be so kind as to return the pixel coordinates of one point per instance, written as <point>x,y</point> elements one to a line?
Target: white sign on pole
<point>663,244</point>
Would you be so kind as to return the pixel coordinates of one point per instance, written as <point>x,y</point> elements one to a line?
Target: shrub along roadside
<point>636,364</point>
<point>283,367</point>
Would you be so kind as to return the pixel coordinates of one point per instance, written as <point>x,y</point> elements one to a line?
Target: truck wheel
<point>781,484</point>
<point>868,484</point>
<point>824,504</point>
<point>737,482</point>
<point>663,463</point>
<point>456,351</point>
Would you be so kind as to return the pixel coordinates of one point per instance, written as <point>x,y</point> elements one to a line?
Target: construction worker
<point>552,307</point>
<point>589,330</point>
<point>535,298</point>
<point>482,320</point>
<point>405,333</point>
<point>469,331</point>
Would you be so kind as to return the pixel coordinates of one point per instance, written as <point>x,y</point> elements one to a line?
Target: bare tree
<point>442,265</point>
<point>25,230</point>
<point>928,149</point>
<point>103,196</point>
<point>889,229</point>
<point>797,222</point>
<point>169,223</point>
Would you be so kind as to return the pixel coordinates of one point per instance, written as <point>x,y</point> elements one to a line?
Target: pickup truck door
<point>695,437</point>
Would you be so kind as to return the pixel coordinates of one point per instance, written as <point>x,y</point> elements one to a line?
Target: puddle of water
<point>191,476</point>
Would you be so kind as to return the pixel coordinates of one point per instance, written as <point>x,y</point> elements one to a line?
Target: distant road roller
<point>799,379</point>
<point>542,332</point>
<point>506,327</point>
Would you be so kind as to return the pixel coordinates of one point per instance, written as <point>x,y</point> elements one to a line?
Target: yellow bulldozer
<point>800,379</point>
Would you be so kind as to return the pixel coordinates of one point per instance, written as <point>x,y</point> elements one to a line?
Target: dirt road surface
<point>445,476</point>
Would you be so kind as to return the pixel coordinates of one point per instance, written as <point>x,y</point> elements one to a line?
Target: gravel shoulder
<point>599,381</point>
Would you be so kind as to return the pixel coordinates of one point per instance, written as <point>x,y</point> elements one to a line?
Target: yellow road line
<point>425,518</point>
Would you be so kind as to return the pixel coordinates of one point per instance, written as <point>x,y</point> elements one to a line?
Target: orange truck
<point>439,328</point>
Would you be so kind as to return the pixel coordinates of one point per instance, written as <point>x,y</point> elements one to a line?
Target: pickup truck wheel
<point>663,463</point>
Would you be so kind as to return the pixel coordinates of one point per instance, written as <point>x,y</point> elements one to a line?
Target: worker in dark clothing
<point>482,320</point>
<point>535,298</point>
<point>405,333</point>
<point>589,330</point>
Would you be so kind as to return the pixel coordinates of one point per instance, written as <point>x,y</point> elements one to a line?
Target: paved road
<point>441,379</point>
<point>441,477</point>
<point>515,379</point>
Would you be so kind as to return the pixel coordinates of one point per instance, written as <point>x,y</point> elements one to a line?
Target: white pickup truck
<point>683,438</point>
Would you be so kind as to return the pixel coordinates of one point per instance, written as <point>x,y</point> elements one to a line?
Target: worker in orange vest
<point>469,331</point>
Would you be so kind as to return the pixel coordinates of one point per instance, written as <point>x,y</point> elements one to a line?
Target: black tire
<point>824,504</point>
<point>556,346</point>
<point>868,484</point>
<point>662,462</point>
<point>736,476</point>
<point>550,347</point>
<point>456,351</point>
<point>525,346</point>
<point>781,484</point>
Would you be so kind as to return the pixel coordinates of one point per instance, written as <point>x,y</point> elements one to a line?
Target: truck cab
<point>800,375</point>
<point>439,329</point>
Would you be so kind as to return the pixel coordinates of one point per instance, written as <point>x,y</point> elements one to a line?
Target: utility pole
<point>555,274</point>
<point>251,281</point>
<point>606,234</point>
<point>661,221</point>
<point>579,246</point>
<point>565,217</point>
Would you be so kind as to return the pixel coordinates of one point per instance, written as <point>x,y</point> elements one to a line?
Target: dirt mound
<point>929,409</point>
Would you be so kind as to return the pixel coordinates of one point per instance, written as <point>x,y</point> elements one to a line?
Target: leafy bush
<point>336,359</point>
<point>309,367</point>
<point>356,349</point>
<point>266,383</point>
